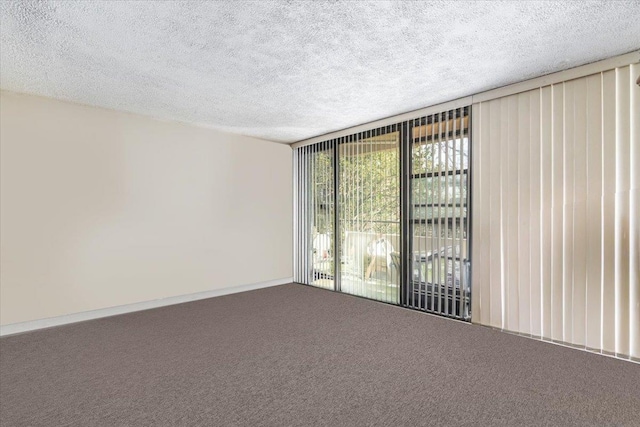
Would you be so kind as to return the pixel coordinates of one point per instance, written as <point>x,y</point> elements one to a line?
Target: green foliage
<point>369,188</point>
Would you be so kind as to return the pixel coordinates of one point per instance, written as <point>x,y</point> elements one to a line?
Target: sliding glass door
<point>314,215</point>
<point>384,214</point>
<point>369,214</point>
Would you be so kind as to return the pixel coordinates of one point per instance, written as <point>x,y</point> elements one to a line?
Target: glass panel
<point>369,216</point>
<point>439,194</point>
<point>321,217</point>
<point>432,195</point>
<point>430,157</point>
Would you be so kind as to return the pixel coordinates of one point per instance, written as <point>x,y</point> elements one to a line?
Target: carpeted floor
<point>294,355</point>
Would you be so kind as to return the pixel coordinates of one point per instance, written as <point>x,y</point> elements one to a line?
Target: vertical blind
<point>439,226</point>
<point>556,212</point>
<point>383,213</point>
<point>366,240</point>
<point>314,214</point>
<point>369,214</point>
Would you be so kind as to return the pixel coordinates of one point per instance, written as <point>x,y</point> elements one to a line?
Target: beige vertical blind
<point>556,212</point>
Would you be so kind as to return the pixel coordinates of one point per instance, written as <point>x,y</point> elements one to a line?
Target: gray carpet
<point>294,355</point>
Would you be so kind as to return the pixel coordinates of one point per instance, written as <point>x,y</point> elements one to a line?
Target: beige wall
<point>100,208</point>
<point>556,212</point>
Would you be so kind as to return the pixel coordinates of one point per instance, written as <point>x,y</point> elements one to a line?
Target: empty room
<point>319,213</point>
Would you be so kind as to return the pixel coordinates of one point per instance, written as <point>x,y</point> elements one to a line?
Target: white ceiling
<point>290,70</point>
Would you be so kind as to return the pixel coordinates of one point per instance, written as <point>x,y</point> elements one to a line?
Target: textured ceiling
<point>290,70</point>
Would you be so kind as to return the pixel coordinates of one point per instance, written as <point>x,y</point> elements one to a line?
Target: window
<point>383,214</point>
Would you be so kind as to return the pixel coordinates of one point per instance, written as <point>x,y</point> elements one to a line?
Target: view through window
<point>369,215</point>
<point>439,214</point>
<point>357,233</point>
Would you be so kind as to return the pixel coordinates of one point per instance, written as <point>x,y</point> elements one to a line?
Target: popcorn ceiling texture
<point>286,71</point>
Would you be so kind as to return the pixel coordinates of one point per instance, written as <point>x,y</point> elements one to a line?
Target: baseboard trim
<point>32,325</point>
<point>619,356</point>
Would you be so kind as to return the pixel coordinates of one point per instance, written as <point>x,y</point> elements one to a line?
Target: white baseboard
<point>16,328</point>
